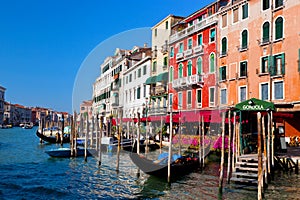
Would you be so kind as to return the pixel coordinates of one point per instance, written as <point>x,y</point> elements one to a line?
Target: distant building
<point>86,109</point>
<point>2,92</point>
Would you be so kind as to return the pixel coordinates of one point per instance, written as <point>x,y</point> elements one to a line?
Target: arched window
<point>180,71</point>
<point>212,62</point>
<point>189,68</point>
<point>171,74</point>
<point>244,39</point>
<point>199,66</point>
<point>266,32</point>
<point>278,28</point>
<point>224,46</point>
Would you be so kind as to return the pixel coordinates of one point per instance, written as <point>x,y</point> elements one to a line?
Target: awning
<point>254,104</point>
<point>163,77</point>
<point>175,118</point>
<point>150,80</point>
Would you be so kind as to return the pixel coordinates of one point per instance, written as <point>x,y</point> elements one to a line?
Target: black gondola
<point>53,139</point>
<point>182,165</point>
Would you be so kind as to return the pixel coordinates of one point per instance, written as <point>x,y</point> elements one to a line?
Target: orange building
<point>258,56</point>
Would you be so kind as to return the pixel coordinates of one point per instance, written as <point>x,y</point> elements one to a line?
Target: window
<point>130,78</point>
<point>145,90</point>
<point>223,96</point>
<point>264,91</point>
<point>145,70</point>
<point>245,11</point>
<point>278,28</point>
<point>172,52</point>
<point>244,40</point>
<point>154,66</point>
<point>180,99</point>
<point>199,65</point>
<point>266,32</point>
<point>200,40</point>
<point>264,64</point>
<point>224,46</point>
<point>180,48</point>
<point>189,68</point>
<point>165,61</point>
<point>170,100</point>
<point>243,93</point>
<point>126,79</point>
<point>190,43</point>
<point>265,4</point>
<point>139,72</point>
<point>278,67</point>
<point>278,3</point>
<point>134,75</point>
<point>189,97</point>
<point>167,25</point>
<point>222,73</point>
<point>243,69</point>
<point>171,74</point>
<point>212,63</point>
<point>155,32</point>
<point>212,35</point>
<point>211,96</point>
<point>138,93</point>
<point>180,71</point>
<point>224,20</point>
<point>165,102</point>
<point>235,15</point>
<point>191,23</point>
<point>278,90</point>
<point>199,98</point>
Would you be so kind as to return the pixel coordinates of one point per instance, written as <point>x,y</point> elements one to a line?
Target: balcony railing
<point>198,49</point>
<point>158,90</point>
<point>186,82</point>
<point>191,29</point>
<point>188,52</point>
<point>179,56</point>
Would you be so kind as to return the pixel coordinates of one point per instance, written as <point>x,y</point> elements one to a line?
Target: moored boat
<point>54,138</point>
<point>66,152</point>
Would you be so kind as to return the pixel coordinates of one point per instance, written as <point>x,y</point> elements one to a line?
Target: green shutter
<point>220,73</point>
<point>270,64</point>
<point>298,60</point>
<point>282,64</point>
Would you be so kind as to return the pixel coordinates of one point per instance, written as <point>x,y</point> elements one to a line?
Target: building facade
<point>2,100</point>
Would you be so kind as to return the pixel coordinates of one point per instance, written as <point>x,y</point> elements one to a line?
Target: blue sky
<point>44,44</point>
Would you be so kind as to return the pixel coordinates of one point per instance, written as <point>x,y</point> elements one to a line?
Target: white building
<point>136,93</point>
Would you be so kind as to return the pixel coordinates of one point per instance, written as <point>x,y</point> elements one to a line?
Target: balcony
<point>188,52</point>
<point>198,49</point>
<point>192,81</point>
<point>192,29</point>
<point>158,90</point>
<point>179,56</point>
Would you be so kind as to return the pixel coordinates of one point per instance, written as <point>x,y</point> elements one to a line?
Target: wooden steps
<point>246,170</point>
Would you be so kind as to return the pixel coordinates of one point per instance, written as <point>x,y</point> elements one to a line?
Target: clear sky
<point>45,44</point>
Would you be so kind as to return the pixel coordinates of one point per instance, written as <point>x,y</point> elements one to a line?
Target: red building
<point>192,63</point>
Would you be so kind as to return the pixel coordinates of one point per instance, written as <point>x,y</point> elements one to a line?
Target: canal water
<point>27,172</point>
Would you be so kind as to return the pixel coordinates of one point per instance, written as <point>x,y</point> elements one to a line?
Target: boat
<point>65,152</point>
<point>28,126</point>
<point>53,138</point>
<point>179,166</point>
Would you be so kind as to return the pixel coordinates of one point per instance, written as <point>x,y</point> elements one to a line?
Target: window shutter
<point>270,65</point>
<point>220,73</point>
<point>298,60</point>
<point>282,64</point>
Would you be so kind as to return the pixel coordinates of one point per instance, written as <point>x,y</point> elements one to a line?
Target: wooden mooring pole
<point>222,155</point>
<point>86,138</point>
<point>100,143</point>
<point>259,154</point>
<point>229,147</point>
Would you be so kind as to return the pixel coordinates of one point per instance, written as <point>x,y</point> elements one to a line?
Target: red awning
<point>175,118</point>
<point>114,123</point>
<point>145,119</point>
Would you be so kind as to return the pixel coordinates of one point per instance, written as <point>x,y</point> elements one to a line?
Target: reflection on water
<point>26,172</point>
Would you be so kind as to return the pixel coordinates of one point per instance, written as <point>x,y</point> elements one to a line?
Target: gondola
<point>180,166</point>
<point>66,152</point>
<point>54,138</point>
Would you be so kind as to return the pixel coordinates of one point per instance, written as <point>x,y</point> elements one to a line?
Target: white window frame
<point>226,97</point>
<point>239,92</point>
<point>260,90</point>
<point>273,86</point>
<point>199,105</point>
<point>212,103</point>
<point>189,104</point>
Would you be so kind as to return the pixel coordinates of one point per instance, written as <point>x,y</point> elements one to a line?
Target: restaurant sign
<point>254,104</point>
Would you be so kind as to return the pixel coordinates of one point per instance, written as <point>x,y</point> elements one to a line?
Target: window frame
<point>276,37</point>
<point>261,92</point>
<point>212,96</point>
<point>199,100</point>
<point>223,99</point>
<point>274,87</point>
<point>240,93</point>
<point>243,75</point>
